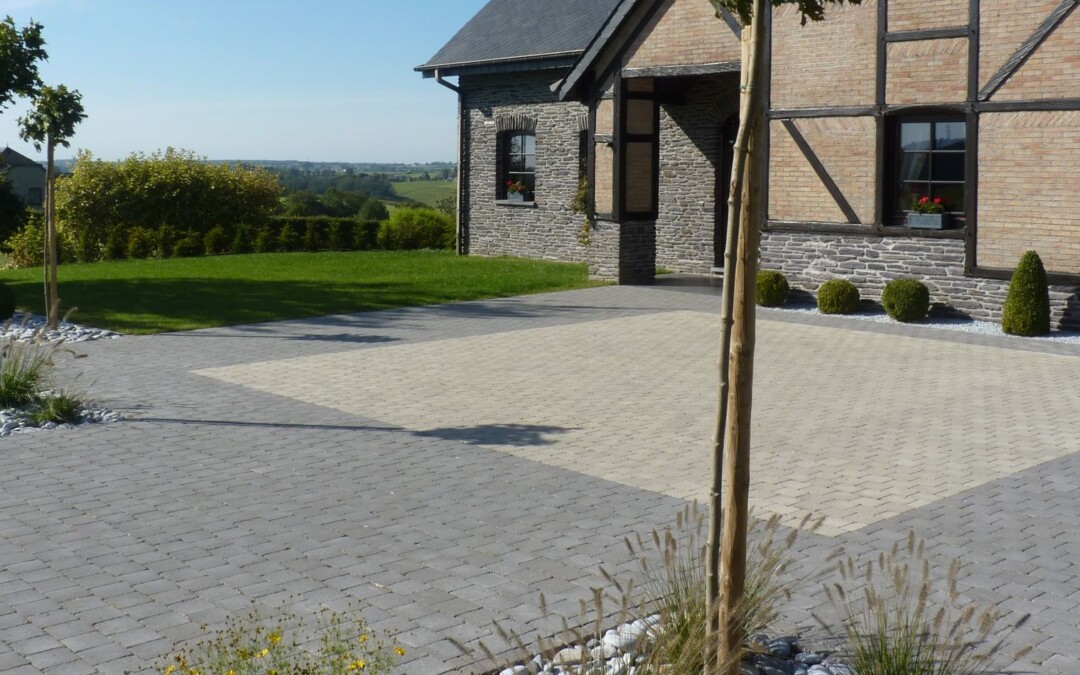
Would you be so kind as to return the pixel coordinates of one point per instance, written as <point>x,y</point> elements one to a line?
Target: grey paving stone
<point>212,494</point>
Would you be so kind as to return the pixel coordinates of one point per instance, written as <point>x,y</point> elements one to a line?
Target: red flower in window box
<point>516,187</point>
<point>927,205</point>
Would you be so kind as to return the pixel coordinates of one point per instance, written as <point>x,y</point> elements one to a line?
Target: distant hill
<point>393,171</point>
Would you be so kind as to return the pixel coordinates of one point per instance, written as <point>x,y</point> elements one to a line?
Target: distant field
<point>425,191</point>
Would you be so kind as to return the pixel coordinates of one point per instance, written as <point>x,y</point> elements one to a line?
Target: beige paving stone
<point>856,426</point>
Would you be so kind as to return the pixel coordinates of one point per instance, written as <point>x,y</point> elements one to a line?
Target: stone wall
<point>869,262</point>
<point>547,228</point>
<point>689,152</point>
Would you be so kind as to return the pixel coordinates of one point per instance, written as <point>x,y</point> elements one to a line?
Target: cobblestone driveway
<point>446,465</point>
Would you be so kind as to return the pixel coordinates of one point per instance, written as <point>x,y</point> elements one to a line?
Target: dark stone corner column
<point>624,252</point>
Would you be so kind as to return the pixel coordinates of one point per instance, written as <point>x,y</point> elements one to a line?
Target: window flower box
<point>928,221</point>
<point>515,196</point>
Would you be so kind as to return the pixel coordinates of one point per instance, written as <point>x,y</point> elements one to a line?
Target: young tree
<point>726,559</point>
<point>20,51</point>
<point>52,121</point>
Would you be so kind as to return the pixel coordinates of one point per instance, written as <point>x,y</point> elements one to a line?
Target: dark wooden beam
<point>766,133</point>
<point>946,108</point>
<point>1048,104</point>
<point>881,75</point>
<point>1027,48</point>
<point>928,34</point>
<point>683,71</point>
<point>808,113</point>
<point>971,154</point>
<point>732,23</point>
<point>822,172</point>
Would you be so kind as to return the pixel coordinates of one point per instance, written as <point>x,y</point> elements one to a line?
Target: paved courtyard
<point>444,466</point>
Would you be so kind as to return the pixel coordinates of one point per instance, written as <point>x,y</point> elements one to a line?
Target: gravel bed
<point>618,653</point>
<point>26,327</point>
<point>941,323</point>
<point>18,421</point>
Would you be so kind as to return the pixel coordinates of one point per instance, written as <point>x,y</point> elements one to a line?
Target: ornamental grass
<point>338,644</point>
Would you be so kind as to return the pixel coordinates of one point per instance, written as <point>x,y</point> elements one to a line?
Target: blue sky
<point>322,80</point>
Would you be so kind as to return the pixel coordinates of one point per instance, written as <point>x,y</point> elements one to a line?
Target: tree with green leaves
<point>21,49</point>
<point>52,122</point>
<point>729,494</point>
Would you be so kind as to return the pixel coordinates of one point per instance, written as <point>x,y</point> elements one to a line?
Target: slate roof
<point>507,31</point>
<point>11,158</point>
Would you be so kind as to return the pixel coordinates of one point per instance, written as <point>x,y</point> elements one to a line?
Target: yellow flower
<point>357,665</point>
<point>262,653</point>
<point>363,638</point>
<point>400,651</point>
<point>170,670</point>
<point>230,672</point>
<point>275,638</point>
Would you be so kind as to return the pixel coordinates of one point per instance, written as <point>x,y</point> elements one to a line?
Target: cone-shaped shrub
<point>837,296</point>
<point>772,288</point>
<point>1027,306</point>
<point>906,299</point>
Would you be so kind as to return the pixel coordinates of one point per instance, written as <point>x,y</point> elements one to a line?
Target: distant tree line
<point>319,182</point>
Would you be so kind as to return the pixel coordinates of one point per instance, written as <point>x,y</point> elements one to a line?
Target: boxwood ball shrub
<point>7,302</point>
<point>837,296</point>
<point>906,299</point>
<point>772,288</point>
<point>1027,304</point>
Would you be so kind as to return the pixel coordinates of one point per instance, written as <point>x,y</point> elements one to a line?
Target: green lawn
<point>150,296</point>
<point>426,191</point>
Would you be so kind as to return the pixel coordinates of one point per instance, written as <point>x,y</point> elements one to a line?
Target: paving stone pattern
<point>375,464</point>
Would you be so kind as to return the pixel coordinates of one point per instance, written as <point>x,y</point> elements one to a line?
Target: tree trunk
<point>52,299</point>
<point>735,192</point>
<point>740,368</point>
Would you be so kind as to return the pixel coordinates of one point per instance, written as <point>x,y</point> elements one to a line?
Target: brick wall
<point>684,32</point>
<point>923,15</point>
<point>869,262</point>
<point>927,71</point>
<point>824,64</point>
<point>1029,175</point>
<point>845,146</point>
<point>1053,71</point>
<point>1004,25</point>
<point>548,229</point>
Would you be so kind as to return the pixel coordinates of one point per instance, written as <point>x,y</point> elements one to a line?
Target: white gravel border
<point>959,325</point>
<point>26,327</point>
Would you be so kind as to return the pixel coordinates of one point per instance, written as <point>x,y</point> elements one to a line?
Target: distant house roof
<point>12,158</point>
<point>510,35</point>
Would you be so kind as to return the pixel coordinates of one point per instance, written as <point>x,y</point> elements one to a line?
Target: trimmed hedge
<point>906,300</point>
<point>772,288</point>
<point>416,228</point>
<point>837,296</point>
<point>1027,305</point>
<point>282,233</point>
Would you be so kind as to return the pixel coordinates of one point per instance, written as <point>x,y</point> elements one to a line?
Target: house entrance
<point>725,149</point>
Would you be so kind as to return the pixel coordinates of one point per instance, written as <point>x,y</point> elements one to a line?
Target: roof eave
<point>568,57</point>
<point>567,89</point>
